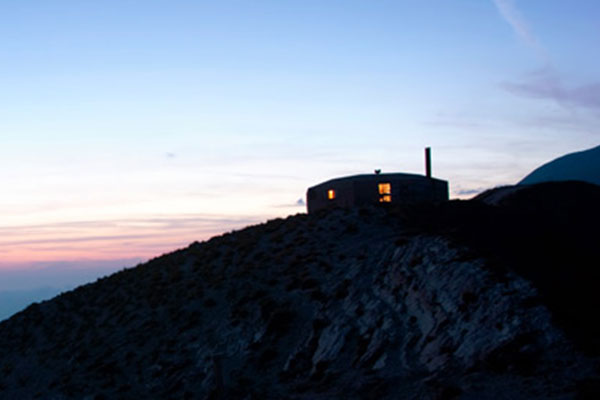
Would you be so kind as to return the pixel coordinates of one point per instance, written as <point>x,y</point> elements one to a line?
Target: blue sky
<point>131,128</point>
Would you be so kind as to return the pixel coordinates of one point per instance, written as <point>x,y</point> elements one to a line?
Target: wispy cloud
<point>108,239</point>
<point>298,203</point>
<point>469,192</point>
<point>547,84</point>
<point>460,120</point>
<point>513,17</point>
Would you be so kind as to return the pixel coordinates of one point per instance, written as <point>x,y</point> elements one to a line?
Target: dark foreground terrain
<point>492,298</point>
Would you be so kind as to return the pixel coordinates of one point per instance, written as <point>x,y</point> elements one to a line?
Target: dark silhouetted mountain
<point>12,301</point>
<point>580,166</point>
<point>490,298</point>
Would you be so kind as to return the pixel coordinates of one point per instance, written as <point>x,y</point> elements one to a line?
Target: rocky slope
<point>462,300</point>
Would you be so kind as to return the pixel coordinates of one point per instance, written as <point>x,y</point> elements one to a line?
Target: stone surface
<point>355,304</point>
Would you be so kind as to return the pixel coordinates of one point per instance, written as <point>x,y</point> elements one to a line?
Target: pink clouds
<point>113,239</point>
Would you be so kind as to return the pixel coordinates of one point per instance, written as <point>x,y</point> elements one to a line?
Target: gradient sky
<point>132,128</point>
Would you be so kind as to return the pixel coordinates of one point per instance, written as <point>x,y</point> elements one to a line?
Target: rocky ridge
<point>370,303</point>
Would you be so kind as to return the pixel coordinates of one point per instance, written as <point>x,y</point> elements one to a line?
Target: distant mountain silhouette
<point>580,166</point>
<point>483,299</point>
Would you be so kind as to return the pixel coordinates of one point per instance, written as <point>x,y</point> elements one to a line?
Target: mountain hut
<point>378,188</point>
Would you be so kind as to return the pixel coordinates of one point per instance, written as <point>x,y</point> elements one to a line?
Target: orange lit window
<point>385,192</point>
<point>385,188</point>
<point>331,194</point>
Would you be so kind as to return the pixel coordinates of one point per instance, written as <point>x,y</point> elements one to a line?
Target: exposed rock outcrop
<point>371,303</point>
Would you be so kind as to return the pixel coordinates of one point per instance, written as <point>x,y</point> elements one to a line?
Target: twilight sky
<point>131,128</point>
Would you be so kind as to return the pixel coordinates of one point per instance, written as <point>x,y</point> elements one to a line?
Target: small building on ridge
<point>377,188</point>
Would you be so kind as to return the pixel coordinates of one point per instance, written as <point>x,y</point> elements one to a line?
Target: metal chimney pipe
<point>428,162</point>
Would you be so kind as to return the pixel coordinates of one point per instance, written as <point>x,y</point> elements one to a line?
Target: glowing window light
<point>331,194</point>
<point>385,199</point>
<point>385,188</point>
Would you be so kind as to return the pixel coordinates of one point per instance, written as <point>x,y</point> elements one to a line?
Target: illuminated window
<point>385,192</point>
<point>385,188</point>
<point>331,194</point>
